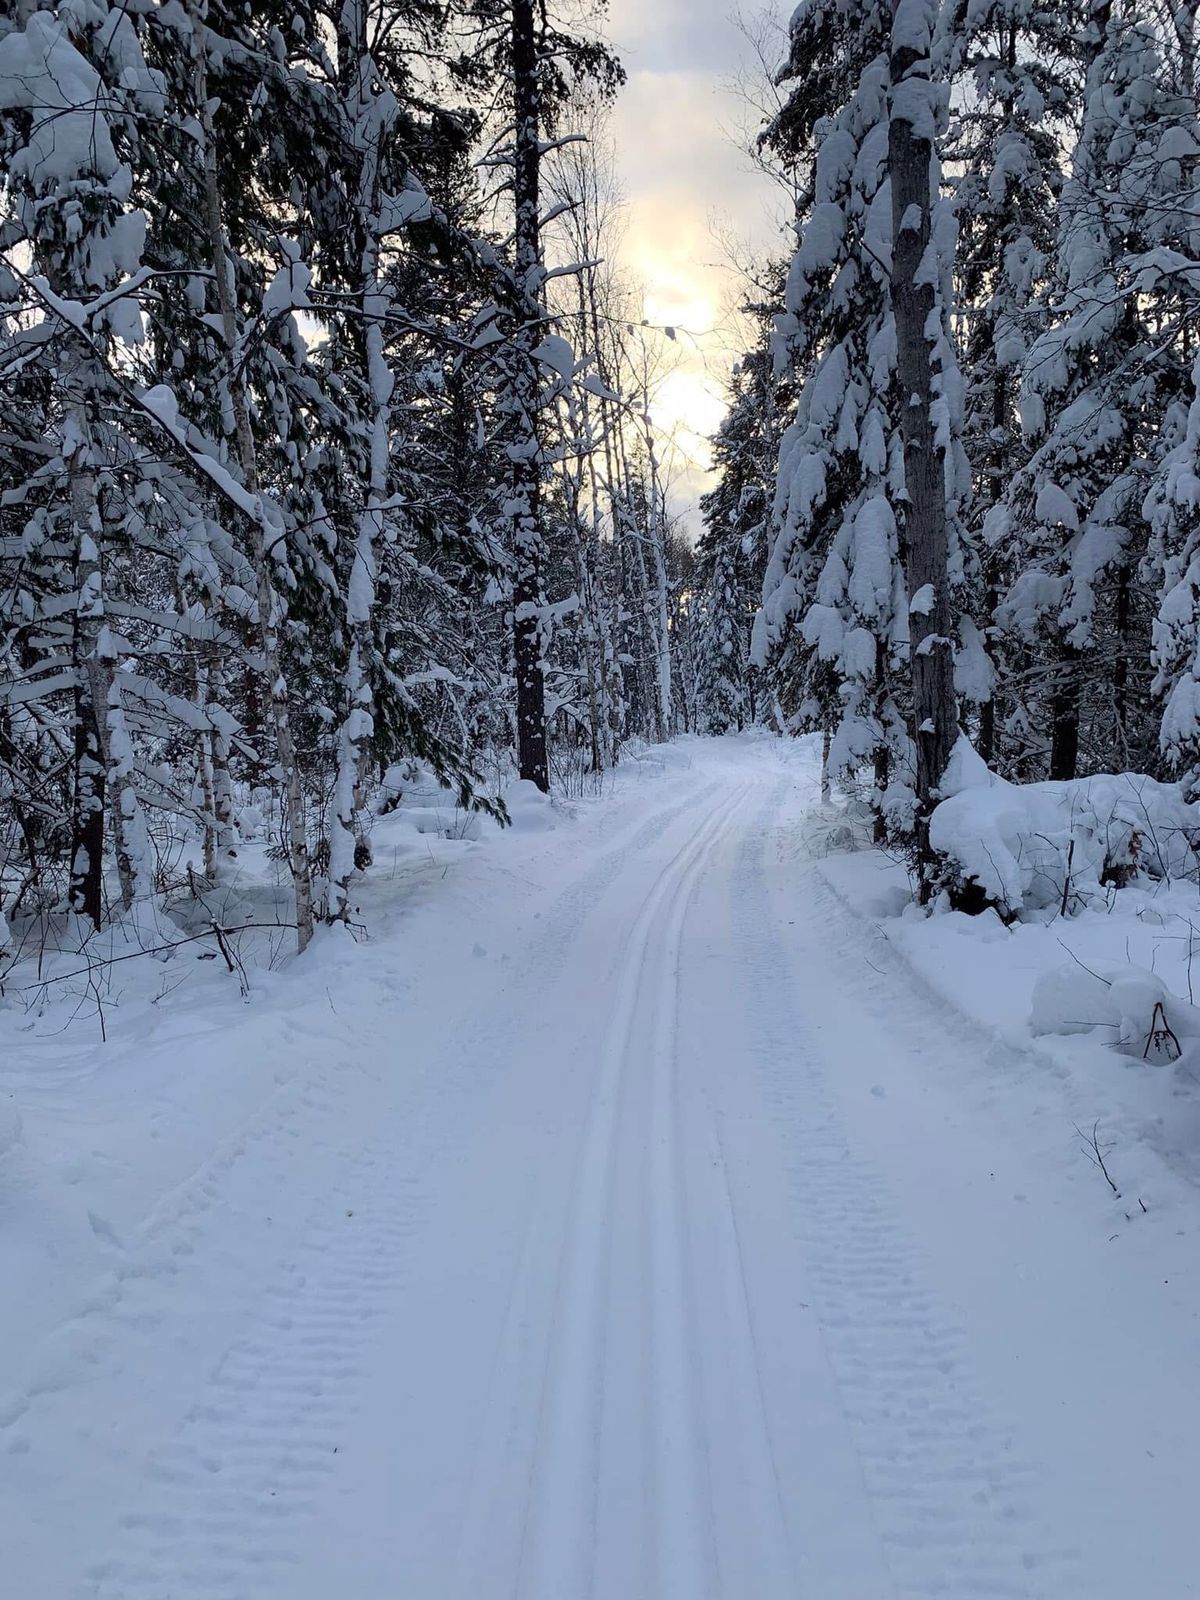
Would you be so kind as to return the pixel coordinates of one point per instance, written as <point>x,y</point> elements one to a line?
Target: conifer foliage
<point>327,451</point>
<point>297,364</point>
<point>1011,351</point>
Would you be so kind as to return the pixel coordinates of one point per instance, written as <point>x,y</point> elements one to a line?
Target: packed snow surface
<point>648,1207</point>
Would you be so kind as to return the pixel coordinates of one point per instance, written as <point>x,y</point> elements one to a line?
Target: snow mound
<point>1132,1005</point>
<point>1039,846</point>
<point>412,798</point>
<point>529,810</point>
<point>411,783</point>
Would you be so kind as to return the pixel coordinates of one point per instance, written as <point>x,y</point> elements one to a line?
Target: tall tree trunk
<point>585,556</point>
<point>285,749</point>
<point>1000,418</point>
<point>1121,664</point>
<point>225,840</point>
<point>131,840</point>
<point>572,481</point>
<point>1064,717</point>
<point>528,644</point>
<point>999,451</point>
<point>656,527</point>
<point>204,761</point>
<point>86,888</point>
<point>369,127</point>
<point>914,302</point>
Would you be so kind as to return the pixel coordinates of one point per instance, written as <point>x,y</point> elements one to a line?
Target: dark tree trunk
<point>527,466</point>
<point>987,730</point>
<point>86,888</point>
<point>1000,417</point>
<point>1121,664</point>
<point>1064,718</point>
<point>935,715</point>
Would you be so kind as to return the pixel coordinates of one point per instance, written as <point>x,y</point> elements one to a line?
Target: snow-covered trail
<point>676,1250</point>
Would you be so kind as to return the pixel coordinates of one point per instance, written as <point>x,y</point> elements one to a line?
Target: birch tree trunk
<point>285,749</point>
<point>370,117</point>
<point>657,528</point>
<point>914,301</point>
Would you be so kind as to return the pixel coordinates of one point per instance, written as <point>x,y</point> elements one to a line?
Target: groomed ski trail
<point>642,1269</point>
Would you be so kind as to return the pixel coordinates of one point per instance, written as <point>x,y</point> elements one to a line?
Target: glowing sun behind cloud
<point>680,169</point>
<point>687,409</point>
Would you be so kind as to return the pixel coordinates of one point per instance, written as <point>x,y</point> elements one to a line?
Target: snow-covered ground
<point>647,1208</point>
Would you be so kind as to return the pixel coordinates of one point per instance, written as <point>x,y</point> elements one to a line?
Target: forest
<point>599,799</point>
<point>327,444</point>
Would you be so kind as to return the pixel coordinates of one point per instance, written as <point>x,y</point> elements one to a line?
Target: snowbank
<point>412,798</point>
<point>529,810</point>
<point>1132,1007</point>
<point>1059,846</point>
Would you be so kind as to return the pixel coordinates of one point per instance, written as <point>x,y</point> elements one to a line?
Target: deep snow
<point>647,1208</point>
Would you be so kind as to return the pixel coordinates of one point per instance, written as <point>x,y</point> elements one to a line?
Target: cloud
<point>673,34</point>
<point>681,168</point>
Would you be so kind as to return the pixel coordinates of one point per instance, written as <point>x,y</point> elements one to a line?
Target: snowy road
<point>617,1224</point>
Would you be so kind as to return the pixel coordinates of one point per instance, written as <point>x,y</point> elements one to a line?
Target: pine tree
<point>833,630</point>
<point>722,689</point>
<point>1095,387</point>
<point>1173,507</point>
<point>538,65</point>
<point>732,548</point>
<point>75,92</point>
<point>1015,69</point>
<point>923,241</point>
<point>834,626</point>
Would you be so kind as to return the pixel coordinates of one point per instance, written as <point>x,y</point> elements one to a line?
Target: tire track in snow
<point>952,1497</point>
<point>558,1545</point>
<point>260,1444</point>
<point>171,1234</point>
<point>681,1533</point>
<point>491,1528</point>
<point>688,1230</point>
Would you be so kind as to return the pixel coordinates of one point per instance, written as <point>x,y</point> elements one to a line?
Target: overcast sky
<point>680,168</point>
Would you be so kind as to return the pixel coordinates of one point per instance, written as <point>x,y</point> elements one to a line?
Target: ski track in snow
<point>192,1511</point>
<point>559,1548</point>
<point>594,1293</point>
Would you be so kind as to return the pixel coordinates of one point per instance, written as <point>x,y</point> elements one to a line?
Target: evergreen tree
<point>1015,69</point>
<point>75,93</point>
<point>732,548</point>
<point>923,239</point>
<point>832,631</point>
<point>834,626</point>
<point>1095,388</point>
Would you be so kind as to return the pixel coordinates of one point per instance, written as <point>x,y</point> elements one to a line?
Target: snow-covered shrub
<point>410,783</point>
<point>1055,846</point>
<point>1133,1007</point>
